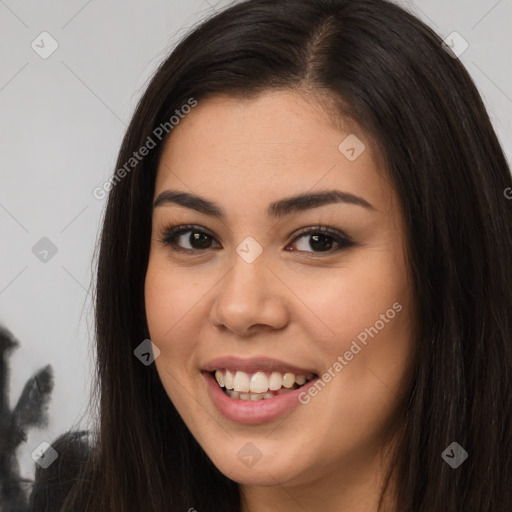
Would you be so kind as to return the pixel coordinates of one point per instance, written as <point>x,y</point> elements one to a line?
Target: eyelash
<point>172,232</point>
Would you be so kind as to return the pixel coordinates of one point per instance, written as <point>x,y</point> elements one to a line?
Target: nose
<point>250,298</point>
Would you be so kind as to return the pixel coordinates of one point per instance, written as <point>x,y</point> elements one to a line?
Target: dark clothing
<point>52,485</point>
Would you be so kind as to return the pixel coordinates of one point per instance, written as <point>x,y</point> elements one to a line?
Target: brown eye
<point>190,238</point>
<point>198,240</point>
<point>322,239</point>
<point>187,238</point>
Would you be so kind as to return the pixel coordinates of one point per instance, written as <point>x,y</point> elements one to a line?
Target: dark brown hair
<point>386,70</point>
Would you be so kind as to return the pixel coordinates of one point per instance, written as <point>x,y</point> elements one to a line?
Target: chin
<point>262,466</point>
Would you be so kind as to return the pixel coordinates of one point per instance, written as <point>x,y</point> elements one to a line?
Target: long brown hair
<point>389,72</point>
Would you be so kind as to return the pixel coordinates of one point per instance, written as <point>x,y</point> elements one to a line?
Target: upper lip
<point>255,364</point>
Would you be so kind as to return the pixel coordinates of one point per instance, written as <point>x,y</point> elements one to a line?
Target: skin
<point>299,305</point>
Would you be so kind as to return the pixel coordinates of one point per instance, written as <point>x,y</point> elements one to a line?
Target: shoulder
<point>52,484</point>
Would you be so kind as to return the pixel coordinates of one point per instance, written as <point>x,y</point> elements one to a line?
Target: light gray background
<point>62,121</point>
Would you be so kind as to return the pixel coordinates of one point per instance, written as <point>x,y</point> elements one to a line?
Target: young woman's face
<point>255,290</point>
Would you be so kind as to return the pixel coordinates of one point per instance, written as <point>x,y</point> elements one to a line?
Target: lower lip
<point>253,411</point>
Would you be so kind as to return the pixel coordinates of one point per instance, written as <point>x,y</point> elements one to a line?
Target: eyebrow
<point>277,209</point>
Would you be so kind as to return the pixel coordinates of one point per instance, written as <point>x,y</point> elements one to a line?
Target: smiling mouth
<point>260,385</point>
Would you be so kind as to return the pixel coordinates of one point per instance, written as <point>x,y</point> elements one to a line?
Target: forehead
<point>276,144</point>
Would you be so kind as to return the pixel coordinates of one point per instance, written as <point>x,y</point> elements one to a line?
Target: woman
<point>309,222</point>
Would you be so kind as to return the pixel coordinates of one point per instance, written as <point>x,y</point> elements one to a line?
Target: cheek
<point>343,301</point>
<point>159,299</point>
<point>169,298</point>
<point>368,312</point>
<point>167,304</point>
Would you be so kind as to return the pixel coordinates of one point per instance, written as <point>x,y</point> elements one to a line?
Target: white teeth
<point>241,382</point>
<point>259,383</point>
<point>275,382</point>
<point>258,386</point>
<point>288,380</point>
<point>228,379</point>
<point>300,379</point>
<point>220,378</point>
<point>255,396</point>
